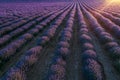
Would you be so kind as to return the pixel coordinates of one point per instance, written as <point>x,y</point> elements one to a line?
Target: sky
<point>29,0</point>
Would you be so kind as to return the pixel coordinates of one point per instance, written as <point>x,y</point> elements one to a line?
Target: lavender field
<point>60,40</point>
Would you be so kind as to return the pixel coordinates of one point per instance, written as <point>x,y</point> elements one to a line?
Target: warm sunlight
<point>110,3</point>
<point>114,1</point>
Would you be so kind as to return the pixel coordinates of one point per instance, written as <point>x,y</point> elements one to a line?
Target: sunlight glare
<point>109,3</point>
<point>114,1</point>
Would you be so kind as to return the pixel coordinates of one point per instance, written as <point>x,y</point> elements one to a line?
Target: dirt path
<point>73,69</point>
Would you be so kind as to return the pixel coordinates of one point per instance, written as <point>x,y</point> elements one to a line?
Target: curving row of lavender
<point>30,57</point>
<point>58,65</point>
<point>92,68</point>
<point>26,36</point>
<point>107,32</point>
<point>15,46</point>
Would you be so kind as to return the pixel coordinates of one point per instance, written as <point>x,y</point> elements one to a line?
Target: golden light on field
<point>110,3</point>
<point>114,1</point>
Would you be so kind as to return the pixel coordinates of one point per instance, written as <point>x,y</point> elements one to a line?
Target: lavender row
<point>4,20</point>
<point>8,37</point>
<point>25,9</point>
<point>28,17</point>
<point>108,15</point>
<point>23,64</point>
<point>92,69</point>
<point>114,14</point>
<point>13,47</point>
<point>58,66</point>
<point>40,11</point>
<point>105,38</point>
<point>9,23</point>
<point>4,30</point>
<point>51,31</point>
<point>99,6</point>
<point>115,29</point>
<point>27,12</point>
